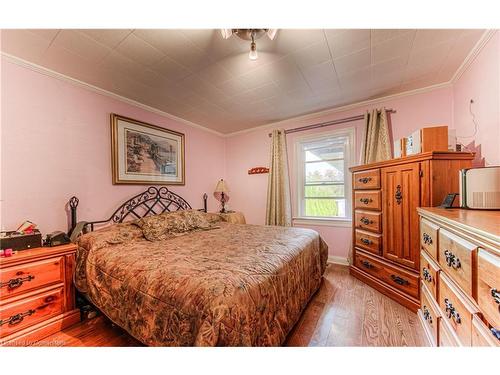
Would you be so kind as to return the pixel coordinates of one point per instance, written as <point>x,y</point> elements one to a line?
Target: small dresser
<point>37,297</point>
<point>460,276</point>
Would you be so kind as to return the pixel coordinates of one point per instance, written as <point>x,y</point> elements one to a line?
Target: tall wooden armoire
<point>385,220</point>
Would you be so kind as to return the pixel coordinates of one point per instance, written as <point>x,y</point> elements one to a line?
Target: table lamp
<point>221,195</point>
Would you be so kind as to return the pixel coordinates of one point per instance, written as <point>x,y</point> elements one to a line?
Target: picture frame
<point>143,153</point>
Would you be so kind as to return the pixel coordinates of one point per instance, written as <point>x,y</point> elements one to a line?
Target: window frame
<point>299,169</point>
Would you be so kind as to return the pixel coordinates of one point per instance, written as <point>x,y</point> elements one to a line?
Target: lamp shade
<point>221,187</point>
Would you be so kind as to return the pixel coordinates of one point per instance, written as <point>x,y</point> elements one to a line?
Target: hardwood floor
<point>344,312</point>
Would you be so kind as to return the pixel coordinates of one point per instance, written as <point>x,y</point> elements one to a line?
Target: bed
<point>223,285</point>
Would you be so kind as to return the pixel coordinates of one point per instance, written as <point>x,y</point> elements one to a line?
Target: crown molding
<point>473,54</point>
<point>344,108</point>
<point>51,73</point>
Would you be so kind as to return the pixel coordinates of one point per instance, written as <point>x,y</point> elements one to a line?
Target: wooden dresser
<point>386,195</point>
<point>37,296</point>
<point>460,271</point>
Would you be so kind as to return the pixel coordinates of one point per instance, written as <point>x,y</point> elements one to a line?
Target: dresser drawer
<point>429,237</point>
<point>447,337</point>
<point>368,220</point>
<point>23,278</point>
<point>28,311</point>
<point>482,335</point>
<point>429,273</point>
<point>367,179</point>
<point>368,200</point>
<point>455,257</point>
<point>456,309</point>
<point>488,286</point>
<point>430,314</point>
<point>369,241</point>
<point>402,280</point>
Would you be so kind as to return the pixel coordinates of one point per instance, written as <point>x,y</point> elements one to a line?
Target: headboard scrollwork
<point>153,201</point>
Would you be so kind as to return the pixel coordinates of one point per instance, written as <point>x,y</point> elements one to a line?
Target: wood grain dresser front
<point>460,272</point>
<point>386,225</point>
<point>37,296</point>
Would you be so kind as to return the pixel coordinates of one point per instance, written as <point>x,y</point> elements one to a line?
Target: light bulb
<point>253,55</point>
<point>253,52</point>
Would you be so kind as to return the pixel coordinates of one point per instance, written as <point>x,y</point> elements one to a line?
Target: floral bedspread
<point>235,285</point>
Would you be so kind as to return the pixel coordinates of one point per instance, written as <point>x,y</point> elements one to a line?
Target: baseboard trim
<point>337,260</point>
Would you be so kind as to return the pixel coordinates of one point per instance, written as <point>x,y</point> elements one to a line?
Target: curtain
<point>278,210</point>
<point>377,144</point>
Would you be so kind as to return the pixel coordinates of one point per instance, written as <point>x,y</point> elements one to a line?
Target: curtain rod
<point>329,123</point>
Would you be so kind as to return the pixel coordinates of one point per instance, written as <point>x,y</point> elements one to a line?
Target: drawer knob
<point>16,283</point>
<point>398,195</point>
<point>366,221</point>
<point>496,332</point>
<point>17,318</point>
<point>496,296</point>
<point>366,200</point>
<point>364,180</point>
<point>452,260</point>
<point>452,312</point>
<point>427,315</point>
<point>366,241</point>
<point>399,280</point>
<point>427,239</point>
<point>427,275</point>
<point>367,264</point>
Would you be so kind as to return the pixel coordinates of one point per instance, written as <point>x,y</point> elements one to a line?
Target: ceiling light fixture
<point>250,34</point>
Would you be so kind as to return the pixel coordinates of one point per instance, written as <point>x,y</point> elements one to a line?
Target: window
<point>324,186</point>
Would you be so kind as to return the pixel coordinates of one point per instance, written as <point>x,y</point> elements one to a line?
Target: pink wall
<point>251,149</point>
<point>56,143</point>
<point>480,82</point>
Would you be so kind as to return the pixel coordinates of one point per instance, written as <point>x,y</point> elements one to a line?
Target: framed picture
<point>146,154</point>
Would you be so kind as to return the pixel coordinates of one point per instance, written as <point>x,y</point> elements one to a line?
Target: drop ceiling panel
<point>203,78</point>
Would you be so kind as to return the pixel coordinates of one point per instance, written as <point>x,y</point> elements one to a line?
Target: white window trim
<point>299,175</point>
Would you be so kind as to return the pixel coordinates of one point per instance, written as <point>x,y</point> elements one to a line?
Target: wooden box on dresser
<point>460,271</point>
<point>37,296</point>
<point>386,251</point>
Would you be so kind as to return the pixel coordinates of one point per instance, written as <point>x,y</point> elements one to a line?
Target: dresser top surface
<point>482,222</point>
<point>29,255</point>
<point>432,155</point>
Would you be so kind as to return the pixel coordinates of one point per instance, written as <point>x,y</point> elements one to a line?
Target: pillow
<point>110,235</point>
<point>172,224</point>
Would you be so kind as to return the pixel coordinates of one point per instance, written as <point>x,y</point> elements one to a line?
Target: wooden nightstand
<point>37,297</point>
<point>233,217</point>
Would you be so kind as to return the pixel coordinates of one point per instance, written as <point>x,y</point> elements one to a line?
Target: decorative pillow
<point>172,224</point>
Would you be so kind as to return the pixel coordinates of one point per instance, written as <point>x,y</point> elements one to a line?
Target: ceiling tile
<point>353,62</point>
<point>109,37</point>
<point>233,87</point>
<point>399,46</point>
<point>24,44</point>
<point>321,75</point>
<point>429,37</point>
<point>380,35</point>
<point>214,74</point>
<point>81,45</point>
<point>347,42</point>
<point>48,34</point>
<point>312,55</point>
<point>140,51</point>
<point>170,69</point>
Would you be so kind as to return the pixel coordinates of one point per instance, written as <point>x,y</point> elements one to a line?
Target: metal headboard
<point>153,201</point>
